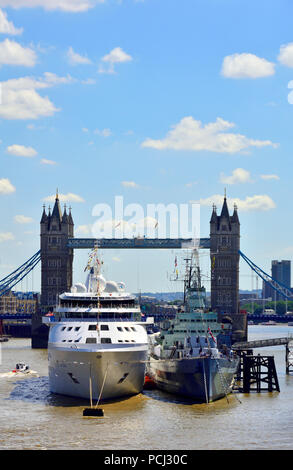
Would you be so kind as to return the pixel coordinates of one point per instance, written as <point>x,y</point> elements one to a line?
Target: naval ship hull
<point>204,379</point>
<point>85,371</point>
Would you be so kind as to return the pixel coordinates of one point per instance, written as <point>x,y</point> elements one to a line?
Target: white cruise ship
<point>98,343</point>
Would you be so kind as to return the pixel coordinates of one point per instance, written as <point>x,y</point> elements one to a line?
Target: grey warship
<point>192,355</point>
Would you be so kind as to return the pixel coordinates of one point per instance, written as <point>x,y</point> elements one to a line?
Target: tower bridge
<point>58,244</point>
<point>138,242</point>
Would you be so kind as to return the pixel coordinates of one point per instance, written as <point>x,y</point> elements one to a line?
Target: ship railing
<point>85,317</point>
<point>108,305</point>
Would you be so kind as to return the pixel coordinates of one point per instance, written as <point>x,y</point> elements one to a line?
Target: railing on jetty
<point>262,343</point>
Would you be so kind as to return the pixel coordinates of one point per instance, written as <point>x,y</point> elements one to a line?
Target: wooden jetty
<point>258,373</point>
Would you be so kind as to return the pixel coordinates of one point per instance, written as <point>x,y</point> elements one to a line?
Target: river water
<point>33,418</point>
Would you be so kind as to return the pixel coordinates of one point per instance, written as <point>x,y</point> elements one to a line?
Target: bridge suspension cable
<point>8,282</point>
<point>276,285</point>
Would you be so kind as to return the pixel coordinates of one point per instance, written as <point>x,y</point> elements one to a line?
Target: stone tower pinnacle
<point>224,252</point>
<point>56,257</point>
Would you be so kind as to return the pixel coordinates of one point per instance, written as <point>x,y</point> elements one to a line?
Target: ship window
<point>133,329</point>
<point>76,328</point>
<point>91,340</point>
<point>120,341</point>
<point>69,328</point>
<point>92,327</point>
<point>63,328</point>
<point>104,327</point>
<point>119,328</point>
<point>126,341</point>
<point>106,340</point>
<point>127,329</point>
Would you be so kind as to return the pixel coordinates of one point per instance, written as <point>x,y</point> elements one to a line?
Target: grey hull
<point>203,379</point>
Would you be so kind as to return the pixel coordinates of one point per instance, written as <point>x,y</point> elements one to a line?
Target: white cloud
<point>69,197</point>
<point>22,219</point>
<point>25,104</point>
<point>116,56</point>
<point>20,100</point>
<point>89,81</point>
<point>246,66</point>
<point>191,135</point>
<point>12,53</point>
<point>129,184</point>
<point>6,27</point>
<point>239,175</point>
<point>51,79</point>
<point>5,236</point>
<point>257,202</point>
<point>30,83</point>
<point>21,151</point>
<point>73,6</point>
<point>76,59</point>
<point>286,54</point>
<point>6,187</point>
<point>103,132</point>
<point>45,161</point>
<point>83,230</point>
<point>270,177</point>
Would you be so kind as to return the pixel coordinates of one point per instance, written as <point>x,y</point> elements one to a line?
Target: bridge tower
<point>56,265</point>
<point>224,253</point>
<point>56,257</point>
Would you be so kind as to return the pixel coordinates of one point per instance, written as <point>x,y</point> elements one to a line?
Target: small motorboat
<point>21,367</point>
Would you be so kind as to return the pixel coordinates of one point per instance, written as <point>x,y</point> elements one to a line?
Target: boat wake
<point>18,374</point>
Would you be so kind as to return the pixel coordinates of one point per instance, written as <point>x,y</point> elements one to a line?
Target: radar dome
<point>79,287</point>
<point>111,286</point>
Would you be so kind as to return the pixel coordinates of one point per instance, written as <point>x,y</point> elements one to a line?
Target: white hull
<point>73,371</point>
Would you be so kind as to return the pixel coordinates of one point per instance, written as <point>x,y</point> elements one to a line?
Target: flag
<point>209,330</point>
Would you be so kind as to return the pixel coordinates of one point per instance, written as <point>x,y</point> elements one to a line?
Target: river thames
<point>34,419</point>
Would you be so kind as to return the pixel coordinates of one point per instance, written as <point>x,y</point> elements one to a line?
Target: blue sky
<point>160,101</point>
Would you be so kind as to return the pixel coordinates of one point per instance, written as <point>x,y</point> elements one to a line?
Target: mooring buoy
<point>93,412</point>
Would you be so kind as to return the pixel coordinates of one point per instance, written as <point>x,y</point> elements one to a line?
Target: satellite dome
<point>79,287</point>
<point>111,286</point>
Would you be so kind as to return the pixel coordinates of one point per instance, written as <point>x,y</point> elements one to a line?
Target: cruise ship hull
<point>204,379</point>
<point>93,371</point>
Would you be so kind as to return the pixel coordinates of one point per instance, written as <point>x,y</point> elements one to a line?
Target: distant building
<point>19,302</point>
<point>280,272</point>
